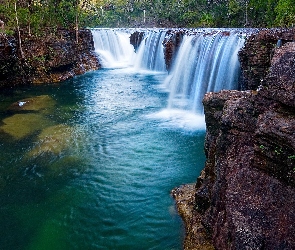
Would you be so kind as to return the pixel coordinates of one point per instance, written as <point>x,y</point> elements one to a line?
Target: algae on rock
<point>21,125</point>
<point>37,103</point>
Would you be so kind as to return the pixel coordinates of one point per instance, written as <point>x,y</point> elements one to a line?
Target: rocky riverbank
<point>244,197</point>
<point>53,58</point>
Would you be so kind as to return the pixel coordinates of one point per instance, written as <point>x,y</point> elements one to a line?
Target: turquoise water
<point>93,165</point>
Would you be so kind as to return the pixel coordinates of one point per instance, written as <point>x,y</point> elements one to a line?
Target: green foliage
<point>191,19</point>
<point>262,12</point>
<point>285,13</point>
<point>236,14</point>
<point>43,14</point>
<point>207,20</point>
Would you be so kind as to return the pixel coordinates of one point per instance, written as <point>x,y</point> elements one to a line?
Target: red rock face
<point>246,192</point>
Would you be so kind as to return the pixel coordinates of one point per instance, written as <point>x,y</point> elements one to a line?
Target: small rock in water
<point>36,103</point>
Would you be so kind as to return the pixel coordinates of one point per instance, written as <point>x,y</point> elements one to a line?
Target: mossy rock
<point>54,140</point>
<point>21,125</point>
<point>37,103</point>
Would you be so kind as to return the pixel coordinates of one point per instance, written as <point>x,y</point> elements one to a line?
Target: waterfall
<point>150,54</point>
<point>113,47</point>
<point>205,62</point>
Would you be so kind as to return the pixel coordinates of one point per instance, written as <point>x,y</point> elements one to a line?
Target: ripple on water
<point>108,188</point>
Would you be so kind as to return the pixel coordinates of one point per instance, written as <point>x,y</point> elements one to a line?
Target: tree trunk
<point>76,24</point>
<point>18,32</point>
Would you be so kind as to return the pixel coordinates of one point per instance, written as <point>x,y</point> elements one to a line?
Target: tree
<point>235,13</point>
<point>285,13</point>
<point>262,13</point>
<point>18,31</point>
<point>35,16</point>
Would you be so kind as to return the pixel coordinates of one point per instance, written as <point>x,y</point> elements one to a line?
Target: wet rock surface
<point>136,38</point>
<point>53,58</point>
<point>244,197</point>
<point>171,45</point>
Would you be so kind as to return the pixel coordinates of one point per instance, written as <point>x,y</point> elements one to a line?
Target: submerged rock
<point>21,125</point>
<point>37,103</point>
<point>53,140</point>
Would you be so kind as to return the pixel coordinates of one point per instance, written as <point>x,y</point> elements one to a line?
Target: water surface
<point>93,169</point>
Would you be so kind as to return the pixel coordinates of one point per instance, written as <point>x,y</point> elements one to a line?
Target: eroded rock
<point>196,236</point>
<point>257,54</point>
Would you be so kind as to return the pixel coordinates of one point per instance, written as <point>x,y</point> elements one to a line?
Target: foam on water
<point>180,119</point>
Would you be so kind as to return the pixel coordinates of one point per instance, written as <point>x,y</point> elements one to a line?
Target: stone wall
<point>244,197</point>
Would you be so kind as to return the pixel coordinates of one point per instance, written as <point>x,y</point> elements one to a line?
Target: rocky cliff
<point>47,59</point>
<point>245,195</point>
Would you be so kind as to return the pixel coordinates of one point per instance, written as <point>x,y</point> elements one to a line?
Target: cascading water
<point>150,54</point>
<point>91,168</point>
<point>113,47</point>
<point>204,63</point>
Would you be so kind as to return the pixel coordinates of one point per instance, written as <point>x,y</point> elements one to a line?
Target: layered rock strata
<point>245,195</point>
<point>48,59</point>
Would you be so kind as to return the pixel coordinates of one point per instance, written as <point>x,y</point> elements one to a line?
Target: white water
<point>205,62</point>
<point>113,48</point>
<point>150,54</point>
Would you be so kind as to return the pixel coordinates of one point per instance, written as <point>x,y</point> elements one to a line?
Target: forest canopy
<point>34,15</point>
